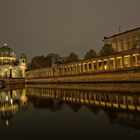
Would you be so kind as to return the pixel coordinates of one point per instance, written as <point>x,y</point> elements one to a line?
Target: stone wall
<point>118,76</point>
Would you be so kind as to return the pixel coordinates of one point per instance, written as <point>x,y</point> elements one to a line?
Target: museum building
<point>10,65</point>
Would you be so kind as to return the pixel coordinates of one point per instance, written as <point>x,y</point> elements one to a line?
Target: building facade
<point>10,66</point>
<point>124,41</point>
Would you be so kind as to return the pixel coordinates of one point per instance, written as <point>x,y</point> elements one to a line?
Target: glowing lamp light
<point>6,98</point>
<point>5,44</point>
<point>11,101</point>
<point>7,123</point>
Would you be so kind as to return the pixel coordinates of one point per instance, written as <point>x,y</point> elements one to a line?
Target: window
<point>119,62</point>
<point>84,67</point>
<point>126,61</point>
<point>138,60</point>
<point>105,64</point>
<point>94,65</point>
<point>89,66</point>
<point>100,65</point>
<point>112,63</point>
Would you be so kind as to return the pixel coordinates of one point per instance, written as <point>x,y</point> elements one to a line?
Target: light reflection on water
<point>70,111</point>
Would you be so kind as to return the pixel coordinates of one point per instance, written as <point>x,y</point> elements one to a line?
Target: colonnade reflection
<point>120,106</point>
<point>114,100</point>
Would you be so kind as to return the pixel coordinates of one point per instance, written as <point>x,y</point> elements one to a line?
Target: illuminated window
<point>94,65</point>
<point>127,61</point>
<point>79,68</point>
<point>112,63</point>
<point>84,67</point>
<point>105,62</point>
<point>89,66</point>
<point>100,65</point>
<point>119,62</point>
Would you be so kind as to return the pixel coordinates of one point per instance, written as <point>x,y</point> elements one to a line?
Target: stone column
<point>115,65</point>
<point>116,46</point>
<point>80,68</point>
<point>71,67</point>
<point>87,65</point>
<point>136,59</point>
<point>123,62</point>
<point>122,45</point>
<point>128,44</point>
<point>83,67</point>
<point>92,66</point>
<point>119,44</point>
<point>131,61</point>
<point>76,69</point>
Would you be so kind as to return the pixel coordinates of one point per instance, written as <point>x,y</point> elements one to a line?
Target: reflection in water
<point>120,107</point>
<point>10,102</point>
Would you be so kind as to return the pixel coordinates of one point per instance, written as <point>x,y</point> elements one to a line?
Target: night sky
<point>39,27</point>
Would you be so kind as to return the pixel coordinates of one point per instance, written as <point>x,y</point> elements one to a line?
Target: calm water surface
<point>87,111</point>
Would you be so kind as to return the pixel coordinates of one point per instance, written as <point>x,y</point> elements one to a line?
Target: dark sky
<point>39,27</point>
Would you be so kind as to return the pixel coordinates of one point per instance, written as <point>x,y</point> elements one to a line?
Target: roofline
<point>122,33</point>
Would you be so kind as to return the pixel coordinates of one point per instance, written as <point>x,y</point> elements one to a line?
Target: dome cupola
<point>6,51</point>
<point>22,55</point>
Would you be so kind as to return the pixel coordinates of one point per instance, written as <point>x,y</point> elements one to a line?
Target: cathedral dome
<point>5,51</point>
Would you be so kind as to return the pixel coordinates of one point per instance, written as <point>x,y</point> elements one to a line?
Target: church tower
<point>23,63</point>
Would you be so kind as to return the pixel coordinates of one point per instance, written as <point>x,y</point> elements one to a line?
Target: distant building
<point>124,41</point>
<point>10,66</point>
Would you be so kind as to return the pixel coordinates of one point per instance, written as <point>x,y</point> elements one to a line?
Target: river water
<point>70,111</point>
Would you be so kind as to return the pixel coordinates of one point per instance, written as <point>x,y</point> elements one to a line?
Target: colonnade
<point>130,59</point>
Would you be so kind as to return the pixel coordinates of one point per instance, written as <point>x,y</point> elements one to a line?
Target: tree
<point>41,61</point>
<point>36,62</point>
<point>72,57</point>
<point>90,54</point>
<point>54,58</point>
<point>106,50</point>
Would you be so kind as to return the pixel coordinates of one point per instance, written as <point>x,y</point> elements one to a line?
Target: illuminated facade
<point>124,41</point>
<point>92,70</point>
<point>10,66</point>
<point>124,61</point>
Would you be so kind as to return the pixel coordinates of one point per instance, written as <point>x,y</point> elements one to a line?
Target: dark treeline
<point>52,59</point>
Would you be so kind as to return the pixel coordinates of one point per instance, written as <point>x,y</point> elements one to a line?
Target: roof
<point>122,33</point>
<point>22,55</point>
<point>6,51</point>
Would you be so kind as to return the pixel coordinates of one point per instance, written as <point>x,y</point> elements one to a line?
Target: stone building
<point>10,66</point>
<point>124,41</point>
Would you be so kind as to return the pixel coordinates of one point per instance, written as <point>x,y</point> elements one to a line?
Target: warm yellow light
<point>7,123</point>
<point>11,101</point>
<point>6,98</point>
<point>5,44</point>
